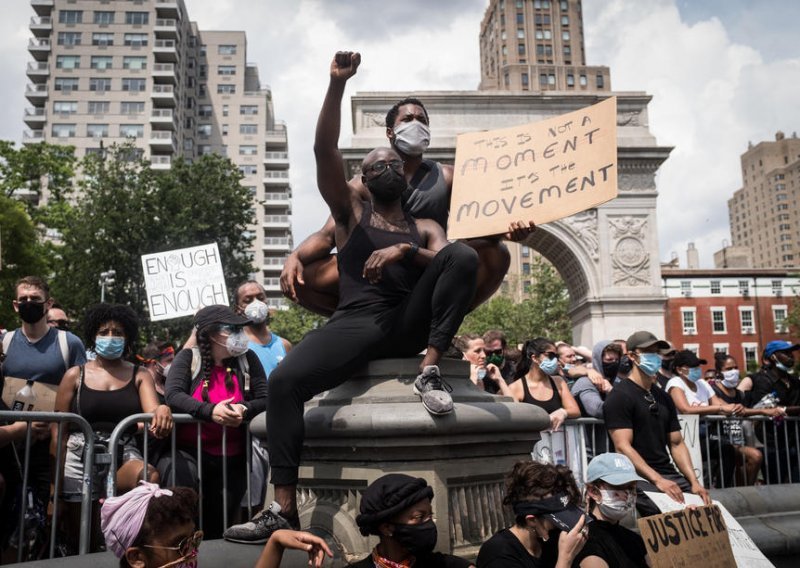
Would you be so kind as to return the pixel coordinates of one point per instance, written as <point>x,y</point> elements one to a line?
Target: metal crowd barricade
<point>145,418</point>
<point>86,492</point>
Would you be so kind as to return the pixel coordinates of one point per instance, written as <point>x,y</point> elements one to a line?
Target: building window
<point>248,129</point>
<point>600,82</point>
<point>99,84</point>
<point>525,81</point>
<point>565,36</point>
<point>103,18</point>
<point>746,317</point>
<point>750,355</point>
<point>97,130</point>
<point>721,348</point>
<point>716,287</point>
<point>204,149</point>
<point>204,130</point>
<point>205,111</point>
<point>777,288</point>
<point>202,90</point>
<point>779,318</point>
<point>66,84</point>
<point>520,49</point>
<point>69,38</point>
<point>525,252</point>
<point>543,79</point>
<point>686,287</point>
<point>129,84</point>
<point>65,107</point>
<point>63,130</point>
<point>99,107</point>
<point>102,39</point>
<point>248,150</point>
<point>68,62</point>
<point>225,110</point>
<point>226,89</point>
<point>226,70</point>
<point>134,107</point>
<point>136,40</point>
<point>225,129</point>
<point>693,347</point>
<point>689,321</point>
<point>744,287</point>
<point>102,61</point>
<point>570,80</point>
<point>520,18</point>
<point>131,130</point>
<point>520,34</point>
<point>70,17</point>
<point>226,50</point>
<point>131,62</point>
<point>248,109</point>
<point>718,320</point>
<point>248,169</point>
<point>567,51</point>
<point>137,18</point>
<point>564,20</point>
<point>583,81</point>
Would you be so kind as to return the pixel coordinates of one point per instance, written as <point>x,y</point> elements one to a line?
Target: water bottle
<point>25,399</point>
<point>770,400</point>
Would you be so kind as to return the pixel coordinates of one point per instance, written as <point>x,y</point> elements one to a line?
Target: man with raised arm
<point>403,288</point>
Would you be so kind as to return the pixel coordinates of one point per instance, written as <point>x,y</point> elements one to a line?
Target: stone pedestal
<point>373,424</point>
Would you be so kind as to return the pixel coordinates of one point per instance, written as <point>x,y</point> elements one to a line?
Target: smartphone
<point>343,59</point>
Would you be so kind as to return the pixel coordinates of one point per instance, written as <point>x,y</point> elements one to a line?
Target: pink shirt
<point>210,432</point>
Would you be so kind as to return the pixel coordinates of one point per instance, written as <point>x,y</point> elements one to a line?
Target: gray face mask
<point>412,138</point>
<point>257,311</point>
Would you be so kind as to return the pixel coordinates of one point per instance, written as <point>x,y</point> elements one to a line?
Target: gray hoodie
<point>589,398</point>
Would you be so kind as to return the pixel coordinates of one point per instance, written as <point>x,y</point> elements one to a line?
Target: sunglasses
<point>186,547</point>
<point>495,352</point>
<point>652,401</point>
<point>550,354</point>
<point>59,323</point>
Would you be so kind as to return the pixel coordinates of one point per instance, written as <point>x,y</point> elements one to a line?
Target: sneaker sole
<point>430,410</point>
<point>242,541</point>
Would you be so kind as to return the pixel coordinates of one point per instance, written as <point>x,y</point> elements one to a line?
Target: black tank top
<point>398,279</point>
<point>100,407</point>
<point>548,405</point>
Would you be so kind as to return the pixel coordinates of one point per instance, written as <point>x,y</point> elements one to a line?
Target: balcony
<point>276,222</point>
<point>278,160</point>
<point>273,264</point>
<point>272,284</point>
<point>277,244</point>
<point>160,162</point>
<point>276,178</point>
<point>163,141</point>
<point>164,72</point>
<point>41,26</point>
<point>39,48</point>
<point>36,93</point>
<point>38,71</point>
<point>166,28</point>
<point>163,95</point>
<point>34,116</point>
<point>32,136</point>
<point>276,137</point>
<point>162,118</point>
<point>167,8</point>
<point>43,7</point>
<point>277,199</point>
<point>165,50</point>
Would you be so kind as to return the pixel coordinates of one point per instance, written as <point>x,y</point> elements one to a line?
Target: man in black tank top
<point>403,288</point>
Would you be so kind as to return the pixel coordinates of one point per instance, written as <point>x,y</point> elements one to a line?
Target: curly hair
<point>165,511</point>
<point>99,314</point>
<point>532,348</point>
<point>532,481</point>
<point>391,116</point>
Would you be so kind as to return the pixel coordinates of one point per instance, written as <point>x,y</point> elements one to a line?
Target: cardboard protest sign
<point>45,394</point>
<point>180,282</point>
<point>690,430</point>
<point>745,551</point>
<point>688,537</point>
<point>538,172</point>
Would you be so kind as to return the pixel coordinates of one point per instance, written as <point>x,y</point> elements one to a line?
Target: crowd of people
<point>396,287</point>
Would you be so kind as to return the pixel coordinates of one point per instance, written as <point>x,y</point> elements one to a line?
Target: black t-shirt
<point>618,546</point>
<point>626,408</point>
<point>432,560</point>
<point>504,550</point>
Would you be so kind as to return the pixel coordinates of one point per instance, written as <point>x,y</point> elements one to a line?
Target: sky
<point>722,73</point>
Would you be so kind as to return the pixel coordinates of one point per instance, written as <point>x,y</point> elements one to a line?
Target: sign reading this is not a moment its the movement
<point>541,172</point>
<point>180,282</point>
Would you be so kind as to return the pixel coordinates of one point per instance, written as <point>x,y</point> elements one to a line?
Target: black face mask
<point>610,370</point>
<point>417,539</point>
<point>625,365</point>
<point>31,312</point>
<point>388,186</point>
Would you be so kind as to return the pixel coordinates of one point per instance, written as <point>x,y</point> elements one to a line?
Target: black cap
<point>218,315</point>
<point>645,339</point>
<point>687,359</point>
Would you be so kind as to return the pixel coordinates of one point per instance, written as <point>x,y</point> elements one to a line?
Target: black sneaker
<point>434,391</point>
<point>259,528</point>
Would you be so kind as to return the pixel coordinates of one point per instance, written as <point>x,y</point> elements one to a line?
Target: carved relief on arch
<point>636,181</point>
<point>630,260</point>
<point>584,226</point>
<point>373,119</point>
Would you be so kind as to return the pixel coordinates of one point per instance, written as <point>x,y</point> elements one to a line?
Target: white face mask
<point>614,506</point>
<point>237,343</point>
<point>730,379</point>
<point>257,311</point>
<point>412,138</point>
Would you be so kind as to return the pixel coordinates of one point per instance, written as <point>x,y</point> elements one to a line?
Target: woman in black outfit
<point>223,383</point>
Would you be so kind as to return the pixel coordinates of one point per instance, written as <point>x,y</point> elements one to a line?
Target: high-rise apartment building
<point>764,215</point>
<point>537,45</point>
<point>106,72</point>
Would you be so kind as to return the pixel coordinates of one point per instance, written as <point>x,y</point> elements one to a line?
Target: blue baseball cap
<point>778,345</point>
<point>614,469</point>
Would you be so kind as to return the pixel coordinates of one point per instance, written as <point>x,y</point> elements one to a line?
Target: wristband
<point>411,252</point>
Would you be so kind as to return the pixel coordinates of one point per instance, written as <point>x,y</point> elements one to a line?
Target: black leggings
<point>325,358</point>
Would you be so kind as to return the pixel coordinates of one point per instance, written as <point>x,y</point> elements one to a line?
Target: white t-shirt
<point>699,398</point>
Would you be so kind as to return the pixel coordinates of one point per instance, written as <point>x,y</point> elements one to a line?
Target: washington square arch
<point>608,256</point>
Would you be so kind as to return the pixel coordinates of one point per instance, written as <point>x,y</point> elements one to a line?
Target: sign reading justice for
<point>538,172</point>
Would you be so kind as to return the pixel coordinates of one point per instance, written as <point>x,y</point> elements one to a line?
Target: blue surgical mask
<point>109,347</point>
<point>549,366</point>
<point>695,374</point>
<point>649,363</point>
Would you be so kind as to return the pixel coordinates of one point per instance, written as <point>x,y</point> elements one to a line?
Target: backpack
<point>62,344</point>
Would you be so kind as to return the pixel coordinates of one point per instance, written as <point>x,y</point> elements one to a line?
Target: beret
<point>387,496</point>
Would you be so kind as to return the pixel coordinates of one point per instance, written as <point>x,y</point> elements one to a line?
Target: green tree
<point>295,322</point>
<point>126,209</point>
<point>23,170</point>
<point>542,314</point>
<point>20,254</point>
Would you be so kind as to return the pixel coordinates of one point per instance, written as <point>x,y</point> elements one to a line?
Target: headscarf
<point>387,496</point>
<point>121,517</point>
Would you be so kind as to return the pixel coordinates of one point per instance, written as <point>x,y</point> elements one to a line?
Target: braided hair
<point>207,362</point>
<point>532,348</point>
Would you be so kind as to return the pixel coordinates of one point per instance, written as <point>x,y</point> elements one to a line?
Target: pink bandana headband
<point>121,517</point>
